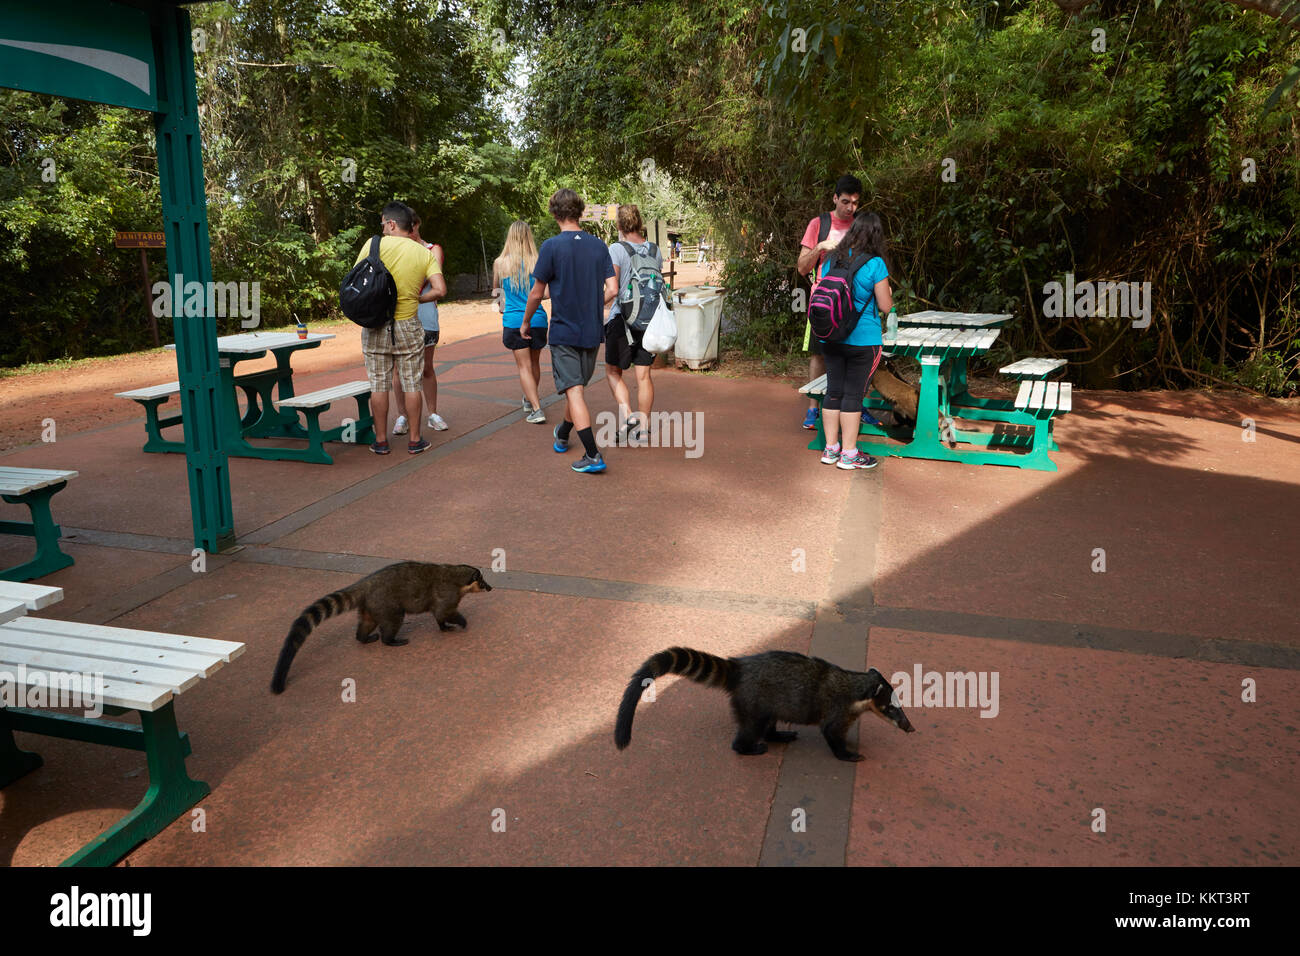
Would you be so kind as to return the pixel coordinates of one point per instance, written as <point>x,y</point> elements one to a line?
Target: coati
<point>383,600</point>
<point>903,397</point>
<point>776,685</point>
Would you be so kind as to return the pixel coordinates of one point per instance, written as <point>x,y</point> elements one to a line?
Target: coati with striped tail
<point>383,600</point>
<point>776,685</point>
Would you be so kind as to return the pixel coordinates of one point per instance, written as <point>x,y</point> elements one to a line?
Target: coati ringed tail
<point>382,601</point>
<point>773,686</point>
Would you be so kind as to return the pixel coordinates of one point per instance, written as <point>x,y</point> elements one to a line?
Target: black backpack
<point>368,295</point>
<point>830,310</point>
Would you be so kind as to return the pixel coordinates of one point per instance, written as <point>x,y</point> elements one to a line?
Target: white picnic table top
<point>19,481</point>
<point>940,339</point>
<point>957,319</point>
<point>248,342</point>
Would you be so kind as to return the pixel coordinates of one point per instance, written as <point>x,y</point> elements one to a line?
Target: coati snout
<point>883,705</point>
<point>776,685</point>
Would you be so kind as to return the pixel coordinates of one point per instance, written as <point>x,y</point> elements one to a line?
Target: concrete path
<point>1117,690</point>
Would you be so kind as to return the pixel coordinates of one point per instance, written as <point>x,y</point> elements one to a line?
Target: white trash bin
<point>698,311</point>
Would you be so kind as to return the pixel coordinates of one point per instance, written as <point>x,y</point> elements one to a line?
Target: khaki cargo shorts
<point>403,350</point>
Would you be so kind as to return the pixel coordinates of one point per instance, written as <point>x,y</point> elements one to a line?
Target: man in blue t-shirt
<point>575,270</point>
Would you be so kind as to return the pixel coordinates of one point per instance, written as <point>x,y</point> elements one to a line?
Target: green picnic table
<point>271,407</point>
<point>1022,433</point>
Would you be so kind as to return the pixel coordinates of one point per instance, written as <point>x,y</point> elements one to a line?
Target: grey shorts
<point>572,366</point>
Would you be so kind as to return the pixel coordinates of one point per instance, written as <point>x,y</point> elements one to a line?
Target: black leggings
<point>848,373</point>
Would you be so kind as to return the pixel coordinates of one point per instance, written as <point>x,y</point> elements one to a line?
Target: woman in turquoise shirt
<point>851,363</point>
<point>512,274</point>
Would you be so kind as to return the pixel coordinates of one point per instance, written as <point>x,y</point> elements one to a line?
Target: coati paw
<point>396,641</point>
<point>758,748</point>
<point>782,736</point>
<point>368,639</point>
<point>850,756</point>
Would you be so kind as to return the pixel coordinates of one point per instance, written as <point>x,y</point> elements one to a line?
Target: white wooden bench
<point>151,398</point>
<point>1032,368</point>
<point>113,670</point>
<point>1044,399</point>
<point>34,487</point>
<point>313,404</point>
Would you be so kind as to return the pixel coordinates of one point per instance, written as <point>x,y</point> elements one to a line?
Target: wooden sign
<point>600,212</point>
<point>140,240</point>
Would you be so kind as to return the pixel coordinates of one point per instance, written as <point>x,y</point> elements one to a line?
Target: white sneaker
<point>526,403</point>
<point>536,416</point>
<point>399,426</point>
<point>436,423</point>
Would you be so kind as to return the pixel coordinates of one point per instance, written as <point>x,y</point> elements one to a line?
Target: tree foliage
<point>1116,141</point>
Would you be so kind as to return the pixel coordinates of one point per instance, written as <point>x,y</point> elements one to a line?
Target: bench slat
<point>19,481</point>
<point>131,695</point>
<point>35,596</point>
<point>225,650</point>
<point>11,609</point>
<point>112,658</point>
<point>1022,397</point>
<point>817,386</point>
<point>13,655</point>
<point>325,396</point>
<point>152,391</point>
<point>1049,396</point>
<point>1064,403</point>
<point>1032,366</point>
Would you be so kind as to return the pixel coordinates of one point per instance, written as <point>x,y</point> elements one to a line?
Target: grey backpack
<point>644,286</point>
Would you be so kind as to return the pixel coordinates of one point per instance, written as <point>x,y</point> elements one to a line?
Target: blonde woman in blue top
<point>512,274</point>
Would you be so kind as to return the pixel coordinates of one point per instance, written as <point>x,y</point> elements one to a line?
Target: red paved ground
<point>516,714</point>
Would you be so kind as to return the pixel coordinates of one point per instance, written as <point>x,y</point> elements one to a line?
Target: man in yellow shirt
<point>400,345</point>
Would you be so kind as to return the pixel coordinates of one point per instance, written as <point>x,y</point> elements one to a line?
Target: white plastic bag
<point>661,334</point>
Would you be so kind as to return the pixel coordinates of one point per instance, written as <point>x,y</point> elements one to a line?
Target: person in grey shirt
<point>623,348</point>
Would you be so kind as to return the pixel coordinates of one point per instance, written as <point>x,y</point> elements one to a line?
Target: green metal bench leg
<point>819,440</point>
<point>14,763</point>
<point>316,438</point>
<point>49,557</point>
<point>171,792</point>
<point>153,426</point>
<point>365,421</point>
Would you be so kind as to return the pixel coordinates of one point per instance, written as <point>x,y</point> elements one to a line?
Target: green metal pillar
<point>185,221</point>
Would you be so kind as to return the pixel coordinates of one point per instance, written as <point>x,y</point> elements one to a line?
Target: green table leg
<point>171,792</point>
<point>153,426</point>
<point>49,556</point>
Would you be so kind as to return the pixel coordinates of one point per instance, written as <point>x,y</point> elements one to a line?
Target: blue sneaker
<point>561,444</point>
<point>589,465</point>
<point>810,420</point>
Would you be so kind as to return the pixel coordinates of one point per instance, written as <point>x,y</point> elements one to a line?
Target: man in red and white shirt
<point>823,234</point>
